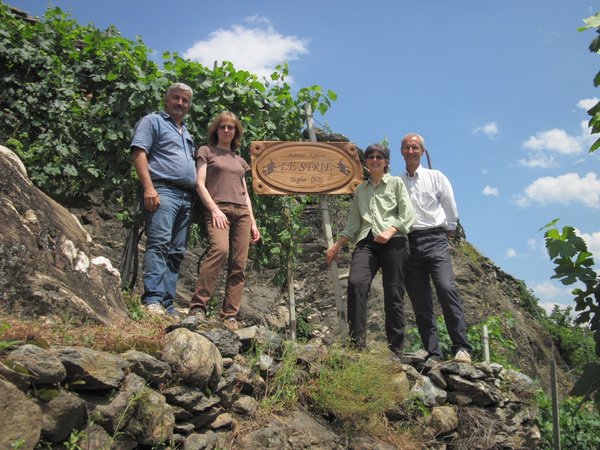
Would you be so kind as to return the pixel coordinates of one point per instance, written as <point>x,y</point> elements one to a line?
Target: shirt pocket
<point>426,200</point>
<point>388,201</point>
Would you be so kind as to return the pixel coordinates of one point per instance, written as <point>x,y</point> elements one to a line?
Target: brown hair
<point>213,135</point>
<point>381,149</point>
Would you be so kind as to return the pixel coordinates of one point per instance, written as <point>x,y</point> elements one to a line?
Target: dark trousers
<point>430,258</point>
<point>367,258</point>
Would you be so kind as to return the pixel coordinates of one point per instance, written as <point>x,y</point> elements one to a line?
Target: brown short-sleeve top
<point>225,174</point>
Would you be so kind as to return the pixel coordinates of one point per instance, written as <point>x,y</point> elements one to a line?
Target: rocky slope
<point>51,266</point>
<point>486,291</point>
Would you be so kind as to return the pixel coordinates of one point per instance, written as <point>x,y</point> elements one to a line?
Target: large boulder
<point>47,267</point>
<point>194,358</point>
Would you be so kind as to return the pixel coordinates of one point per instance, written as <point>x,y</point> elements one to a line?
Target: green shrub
<point>579,424</point>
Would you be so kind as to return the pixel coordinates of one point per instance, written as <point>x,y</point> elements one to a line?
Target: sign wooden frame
<point>288,167</point>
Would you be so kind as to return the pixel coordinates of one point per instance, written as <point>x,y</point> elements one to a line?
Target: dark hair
<point>381,149</point>
<point>213,136</point>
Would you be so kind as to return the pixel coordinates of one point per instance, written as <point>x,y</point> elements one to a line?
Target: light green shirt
<point>377,208</point>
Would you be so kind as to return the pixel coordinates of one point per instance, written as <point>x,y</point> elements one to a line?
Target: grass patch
<point>357,389</point>
<point>146,334</point>
<point>470,252</point>
<point>282,392</point>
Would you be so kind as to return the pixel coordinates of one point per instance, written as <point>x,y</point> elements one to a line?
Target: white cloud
<point>547,143</point>
<point>592,240</point>
<point>490,191</point>
<point>511,253</point>
<point>538,160</point>
<point>587,103</point>
<point>555,140</point>
<point>489,129</point>
<point>532,243</point>
<point>550,295</point>
<point>257,48</point>
<point>564,189</point>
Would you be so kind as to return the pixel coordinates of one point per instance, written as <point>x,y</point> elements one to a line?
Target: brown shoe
<point>231,324</point>
<point>197,312</point>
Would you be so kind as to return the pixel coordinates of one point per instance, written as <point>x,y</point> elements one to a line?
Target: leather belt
<point>427,231</point>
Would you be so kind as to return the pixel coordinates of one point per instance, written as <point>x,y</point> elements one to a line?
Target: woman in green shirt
<point>379,219</point>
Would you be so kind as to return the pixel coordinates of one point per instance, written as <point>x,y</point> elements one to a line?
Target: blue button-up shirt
<point>171,154</point>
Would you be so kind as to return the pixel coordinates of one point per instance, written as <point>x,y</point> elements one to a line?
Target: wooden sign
<point>280,167</point>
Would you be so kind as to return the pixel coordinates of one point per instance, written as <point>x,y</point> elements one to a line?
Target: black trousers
<point>368,257</point>
<point>430,259</point>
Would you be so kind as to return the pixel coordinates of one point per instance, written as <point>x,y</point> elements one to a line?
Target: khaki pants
<point>229,245</point>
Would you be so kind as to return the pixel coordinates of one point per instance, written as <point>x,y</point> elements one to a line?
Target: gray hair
<point>181,87</point>
<point>418,136</point>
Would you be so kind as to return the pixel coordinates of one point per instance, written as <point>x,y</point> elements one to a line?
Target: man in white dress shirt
<point>436,220</point>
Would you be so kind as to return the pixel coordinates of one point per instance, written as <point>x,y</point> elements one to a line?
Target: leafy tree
<point>574,342</point>
<point>577,423</point>
<point>594,123</point>
<point>574,263</point>
<point>70,96</point>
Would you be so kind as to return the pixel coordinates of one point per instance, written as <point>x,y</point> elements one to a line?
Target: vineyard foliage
<point>70,96</point>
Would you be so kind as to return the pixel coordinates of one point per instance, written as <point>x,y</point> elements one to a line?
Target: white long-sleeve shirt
<point>433,199</point>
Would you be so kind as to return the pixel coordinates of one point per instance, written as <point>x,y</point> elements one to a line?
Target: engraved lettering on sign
<point>301,167</point>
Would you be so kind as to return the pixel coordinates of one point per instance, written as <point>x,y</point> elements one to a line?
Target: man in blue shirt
<point>164,159</point>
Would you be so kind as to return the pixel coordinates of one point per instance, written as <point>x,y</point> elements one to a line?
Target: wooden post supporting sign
<point>317,168</point>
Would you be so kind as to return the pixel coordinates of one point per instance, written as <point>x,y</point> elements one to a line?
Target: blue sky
<point>498,89</point>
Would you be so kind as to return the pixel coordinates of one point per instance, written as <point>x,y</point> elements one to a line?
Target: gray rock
<point>47,264</point>
<point>42,366</point>
<point>15,374</point>
<point>194,359</point>
<point>115,416</point>
<point>267,340</point>
<point>192,399</point>
<point>300,431</point>
<point>94,437</point>
<point>152,370</point>
<point>61,415</point>
<point>428,393</point>
<point>153,421</point>
<point>244,405</point>
<point>480,393</point>
<point>204,441</point>
<point>443,419</point>
<point>89,369</point>
<point>226,341</point>
<point>20,418</point>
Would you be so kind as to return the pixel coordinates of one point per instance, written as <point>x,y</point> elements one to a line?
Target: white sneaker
<point>462,356</point>
<point>156,309</point>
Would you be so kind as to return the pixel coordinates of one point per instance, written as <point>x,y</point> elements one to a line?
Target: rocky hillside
<point>200,389</point>
<point>486,290</point>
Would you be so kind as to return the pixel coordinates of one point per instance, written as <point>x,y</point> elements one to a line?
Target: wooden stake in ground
<point>333,269</point>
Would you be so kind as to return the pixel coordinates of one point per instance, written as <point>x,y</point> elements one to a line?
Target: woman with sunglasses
<point>379,219</point>
<point>228,217</point>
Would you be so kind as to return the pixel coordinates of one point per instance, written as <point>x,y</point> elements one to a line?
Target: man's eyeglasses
<point>376,157</point>
<point>227,127</point>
